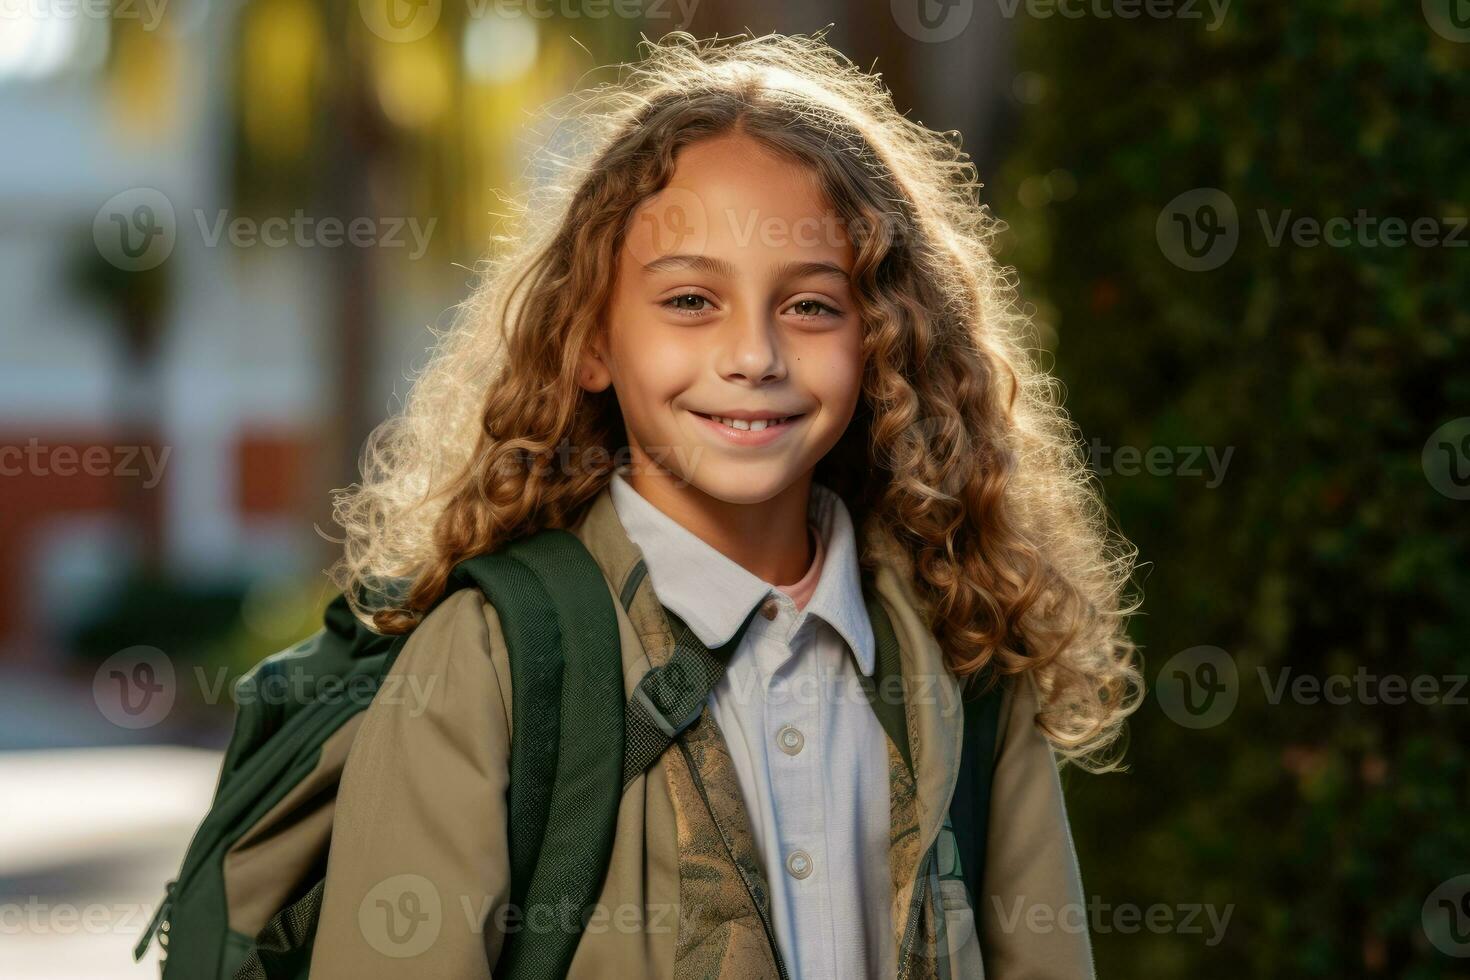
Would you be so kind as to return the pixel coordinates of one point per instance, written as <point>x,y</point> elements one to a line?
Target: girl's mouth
<point>752,432</point>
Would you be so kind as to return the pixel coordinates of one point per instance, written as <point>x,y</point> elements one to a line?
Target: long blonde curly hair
<point>959,451</point>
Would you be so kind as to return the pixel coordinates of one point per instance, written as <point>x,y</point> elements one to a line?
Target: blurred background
<point>227,228</point>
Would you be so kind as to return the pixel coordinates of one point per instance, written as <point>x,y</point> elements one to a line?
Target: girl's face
<point>732,304</point>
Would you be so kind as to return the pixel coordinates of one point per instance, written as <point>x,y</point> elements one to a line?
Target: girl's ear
<point>592,372</point>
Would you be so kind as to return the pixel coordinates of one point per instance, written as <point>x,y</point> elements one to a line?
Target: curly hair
<point>960,458</point>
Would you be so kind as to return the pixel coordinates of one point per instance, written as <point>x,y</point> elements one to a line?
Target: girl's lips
<point>748,437</point>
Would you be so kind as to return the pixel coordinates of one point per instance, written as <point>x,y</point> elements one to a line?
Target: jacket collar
<point>714,594</point>
<point>935,712</point>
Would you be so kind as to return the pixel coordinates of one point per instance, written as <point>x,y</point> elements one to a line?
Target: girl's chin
<point>741,482</point>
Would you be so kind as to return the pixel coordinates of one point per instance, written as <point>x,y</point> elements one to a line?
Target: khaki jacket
<point>418,867</point>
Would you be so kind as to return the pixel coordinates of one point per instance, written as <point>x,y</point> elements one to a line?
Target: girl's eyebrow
<point>697,263</point>
<point>721,267</point>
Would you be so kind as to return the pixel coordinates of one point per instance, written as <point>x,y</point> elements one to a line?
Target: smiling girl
<point>756,354</point>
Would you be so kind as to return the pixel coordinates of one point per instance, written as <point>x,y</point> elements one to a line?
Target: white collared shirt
<point>809,753</point>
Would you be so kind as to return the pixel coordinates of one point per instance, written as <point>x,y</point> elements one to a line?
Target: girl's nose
<point>752,349</point>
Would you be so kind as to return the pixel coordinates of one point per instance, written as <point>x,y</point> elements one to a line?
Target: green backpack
<point>280,772</point>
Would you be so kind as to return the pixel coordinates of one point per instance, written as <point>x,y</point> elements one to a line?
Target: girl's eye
<point>688,303</point>
<point>812,307</point>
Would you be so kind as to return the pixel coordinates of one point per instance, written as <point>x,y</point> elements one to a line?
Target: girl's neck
<point>768,539</point>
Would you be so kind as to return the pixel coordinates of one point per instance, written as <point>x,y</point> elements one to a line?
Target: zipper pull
<point>159,917</point>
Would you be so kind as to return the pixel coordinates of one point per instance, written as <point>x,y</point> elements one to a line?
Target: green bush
<point>1325,549</point>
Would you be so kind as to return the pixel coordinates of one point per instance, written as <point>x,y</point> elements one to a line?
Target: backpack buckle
<point>656,714</point>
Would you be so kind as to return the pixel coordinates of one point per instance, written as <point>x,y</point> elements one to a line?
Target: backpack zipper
<point>158,923</point>
<point>916,902</point>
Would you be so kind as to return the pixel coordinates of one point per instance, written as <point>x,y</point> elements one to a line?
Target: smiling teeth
<point>754,425</point>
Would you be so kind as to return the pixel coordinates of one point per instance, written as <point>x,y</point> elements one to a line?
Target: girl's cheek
<point>664,366</point>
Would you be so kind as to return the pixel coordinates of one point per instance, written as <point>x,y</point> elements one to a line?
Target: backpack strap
<point>969,811</point>
<point>885,689</point>
<point>670,698</point>
<point>565,780</point>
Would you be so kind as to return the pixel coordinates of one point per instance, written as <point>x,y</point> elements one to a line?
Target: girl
<point>756,353</point>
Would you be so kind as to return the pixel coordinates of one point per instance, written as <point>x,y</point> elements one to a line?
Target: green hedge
<point>1326,547</point>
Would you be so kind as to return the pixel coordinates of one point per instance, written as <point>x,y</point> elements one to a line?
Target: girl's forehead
<point>731,195</point>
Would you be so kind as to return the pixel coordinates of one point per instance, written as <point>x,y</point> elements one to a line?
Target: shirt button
<point>790,739</point>
<point>769,608</point>
<point>799,864</point>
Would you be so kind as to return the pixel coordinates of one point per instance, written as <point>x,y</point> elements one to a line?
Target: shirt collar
<point>714,595</point>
